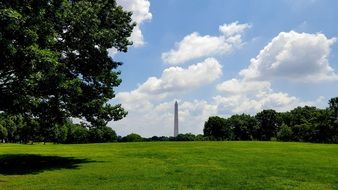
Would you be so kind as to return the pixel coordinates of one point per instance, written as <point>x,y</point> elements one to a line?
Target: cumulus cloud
<point>245,96</point>
<point>293,56</point>
<point>141,13</point>
<point>235,86</point>
<point>252,96</point>
<point>150,105</point>
<point>290,55</point>
<point>159,120</point>
<point>195,45</point>
<point>246,99</point>
<point>172,80</point>
<point>233,28</point>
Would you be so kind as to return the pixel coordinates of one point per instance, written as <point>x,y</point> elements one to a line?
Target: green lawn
<point>169,165</point>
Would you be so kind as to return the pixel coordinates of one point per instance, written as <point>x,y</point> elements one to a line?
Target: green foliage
<point>285,133</point>
<point>60,134</point>
<point>54,60</point>
<point>77,133</point>
<point>218,128</point>
<point>243,126</point>
<point>17,129</point>
<point>303,132</point>
<point>333,105</point>
<point>333,109</point>
<point>325,129</point>
<point>156,138</point>
<point>186,137</point>
<point>102,134</point>
<point>179,137</point>
<point>109,135</point>
<point>14,126</point>
<point>3,133</point>
<point>302,115</point>
<point>133,137</point>
<point>303,124</point>
<point>30,131</point>
<point>200,137</point>
<point>267,124</point>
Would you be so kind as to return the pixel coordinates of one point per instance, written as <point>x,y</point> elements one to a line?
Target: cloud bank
<point>290,55</point>
<point>173,81</point>
<point>293,56</point>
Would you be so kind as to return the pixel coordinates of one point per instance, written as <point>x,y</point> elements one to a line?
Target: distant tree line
<point>133,137</point>
<point>302,124</point>
<point>18,129</point>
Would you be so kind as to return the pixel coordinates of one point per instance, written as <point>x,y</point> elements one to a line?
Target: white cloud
<point>178,78</point>
<point>196,46</point>
<point>141,13</point>
<point>293,56</point>
<point>251,97</point>
<point>173,80</point>
<point>252,104</point>
<point>233,28</point>
<point>150,106</point>
<point>235,86</point>
<point>290,55</point>
<point>159,120</point>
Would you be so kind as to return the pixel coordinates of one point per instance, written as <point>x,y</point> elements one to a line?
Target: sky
<point>219,57</point>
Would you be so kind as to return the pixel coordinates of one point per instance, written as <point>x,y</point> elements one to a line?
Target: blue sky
<point>219,57</point>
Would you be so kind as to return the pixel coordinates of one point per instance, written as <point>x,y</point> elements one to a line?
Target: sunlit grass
<point>180,165</point>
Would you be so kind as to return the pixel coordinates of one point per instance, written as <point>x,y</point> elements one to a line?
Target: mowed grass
<point>180,165</point>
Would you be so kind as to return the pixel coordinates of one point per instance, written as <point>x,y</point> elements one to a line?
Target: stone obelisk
<point>176,120</point>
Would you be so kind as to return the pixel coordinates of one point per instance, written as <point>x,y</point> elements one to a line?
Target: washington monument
<point>176,120</point>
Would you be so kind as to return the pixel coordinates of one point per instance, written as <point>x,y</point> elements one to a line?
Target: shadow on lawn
<point>21,164</point>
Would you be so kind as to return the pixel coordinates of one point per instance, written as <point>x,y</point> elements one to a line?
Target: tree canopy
<point>54,62</point>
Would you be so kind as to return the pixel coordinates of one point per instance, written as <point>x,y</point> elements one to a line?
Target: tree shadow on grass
<point>22,164</point>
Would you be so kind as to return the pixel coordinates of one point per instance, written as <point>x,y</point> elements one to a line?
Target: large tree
<point>267,124</point>
<point>218,128</point>
<point>54,62</point>
<point>333,112</point>
<point>243,126</point>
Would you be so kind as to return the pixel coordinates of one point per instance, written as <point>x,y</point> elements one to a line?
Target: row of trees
<point>305,124</point>
<point>17,129</point>
<point>133,137</point>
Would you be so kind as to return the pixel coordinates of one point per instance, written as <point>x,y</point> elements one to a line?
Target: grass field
<point>169,165</point>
